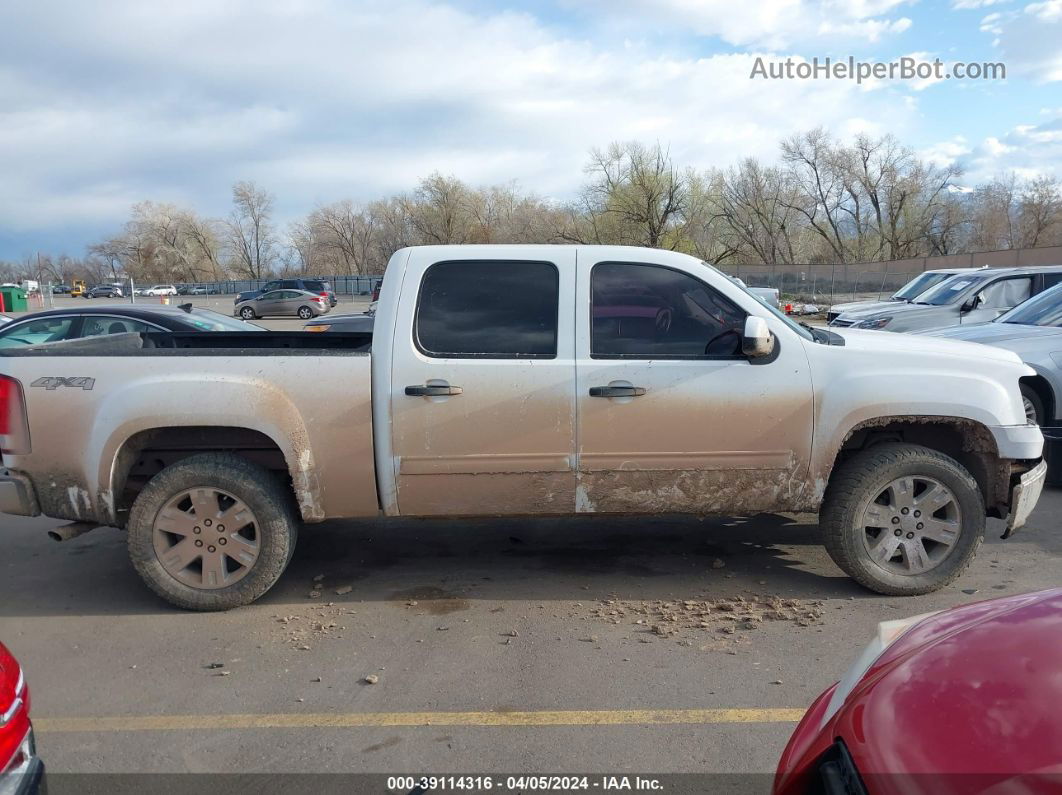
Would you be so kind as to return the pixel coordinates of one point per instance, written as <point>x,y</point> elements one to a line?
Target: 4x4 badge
<point>51,382</point>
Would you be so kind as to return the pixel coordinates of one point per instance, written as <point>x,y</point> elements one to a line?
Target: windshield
<point>803,332</point>
<point>950,291</point>
<point>1043,310</point>
<point>918,285</point>
<point>209,320</point>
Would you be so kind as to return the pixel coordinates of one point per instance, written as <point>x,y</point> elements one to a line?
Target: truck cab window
<point>653,312</point>
<point>501,310</point>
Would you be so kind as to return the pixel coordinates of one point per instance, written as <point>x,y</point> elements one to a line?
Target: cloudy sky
<point>103,104</point>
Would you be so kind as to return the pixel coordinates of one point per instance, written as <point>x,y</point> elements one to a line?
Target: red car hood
<point>976,689</point>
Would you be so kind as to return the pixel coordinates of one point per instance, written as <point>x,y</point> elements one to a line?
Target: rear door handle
<point>424,390</point>
<point>616,391</point>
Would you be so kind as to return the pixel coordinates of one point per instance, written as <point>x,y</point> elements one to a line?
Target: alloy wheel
<point>206,538</point>
<point>912,525</point>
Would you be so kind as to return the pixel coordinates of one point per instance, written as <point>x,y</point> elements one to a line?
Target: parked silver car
<point>1032,330</point>
<point>298,303</point>
<point>909,292</point>
<point>968,298</point>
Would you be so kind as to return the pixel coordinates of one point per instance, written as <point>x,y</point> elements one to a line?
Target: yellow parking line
<point>326,720</point>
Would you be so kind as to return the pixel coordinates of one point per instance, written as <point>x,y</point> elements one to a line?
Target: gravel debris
<point>676,618</point>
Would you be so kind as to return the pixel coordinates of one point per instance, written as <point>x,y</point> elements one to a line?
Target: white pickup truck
<point>520,380</point>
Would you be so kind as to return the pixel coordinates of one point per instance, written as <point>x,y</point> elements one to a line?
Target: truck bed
<point>106,408</point>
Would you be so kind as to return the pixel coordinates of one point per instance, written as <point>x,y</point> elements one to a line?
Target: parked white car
<point>161,289</point>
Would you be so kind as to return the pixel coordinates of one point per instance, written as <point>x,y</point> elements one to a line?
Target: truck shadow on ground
<point>488,559</point>
<point>565,558</point>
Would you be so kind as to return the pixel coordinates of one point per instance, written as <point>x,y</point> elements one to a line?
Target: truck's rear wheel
<point>212,532</point>
<point>901,519</point>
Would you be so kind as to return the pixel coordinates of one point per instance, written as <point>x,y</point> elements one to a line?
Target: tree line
<point>823,201</point>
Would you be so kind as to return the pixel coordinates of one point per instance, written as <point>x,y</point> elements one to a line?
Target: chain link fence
<point>341,285</point>
<point>828,283</point>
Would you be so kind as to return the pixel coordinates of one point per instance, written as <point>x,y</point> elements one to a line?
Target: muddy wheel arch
<point>967,441</point>
<point>145,453</point>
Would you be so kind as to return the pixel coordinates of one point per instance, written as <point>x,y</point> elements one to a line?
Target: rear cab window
<point>488,309</point>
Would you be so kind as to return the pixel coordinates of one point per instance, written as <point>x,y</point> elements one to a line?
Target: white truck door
<point>672,418</point>
<point>482,382</point>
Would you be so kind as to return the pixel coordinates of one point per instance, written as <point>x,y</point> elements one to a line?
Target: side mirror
<point>757,339</point>
<point>972,303</point>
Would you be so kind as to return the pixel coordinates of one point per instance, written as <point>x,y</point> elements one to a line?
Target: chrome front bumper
<point>1024,496</point>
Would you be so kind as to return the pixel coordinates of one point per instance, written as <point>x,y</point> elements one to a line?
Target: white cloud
<point>947,152</point>
<point>1050,11</point>
<point>326,100</point>
<point>963,5</point>
<point>990,24</point>
<point>769,24</point>
<point>869,29</point>
<point>1028,150</point>
<point>1028,38</point>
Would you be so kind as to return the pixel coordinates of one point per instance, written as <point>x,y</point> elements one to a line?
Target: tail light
<point>14,427</point>
<point>324,295</point>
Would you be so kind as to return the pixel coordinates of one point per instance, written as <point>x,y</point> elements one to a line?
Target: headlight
<point>874,322</point>
<point>888,633</point>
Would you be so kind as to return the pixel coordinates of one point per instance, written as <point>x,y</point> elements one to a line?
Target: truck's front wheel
<point>212,532</point>
<point>901,519</point>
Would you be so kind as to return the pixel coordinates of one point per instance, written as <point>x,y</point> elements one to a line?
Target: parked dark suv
<point>318,286</point>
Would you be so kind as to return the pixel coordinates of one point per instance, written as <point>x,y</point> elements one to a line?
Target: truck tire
<point>901,519</point>
<point>180,546</point>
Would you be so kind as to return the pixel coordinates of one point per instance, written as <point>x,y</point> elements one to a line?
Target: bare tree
<point>636,196</point>
<point>252,240</point>
<point>815,167</point>
<point>825,201</point>
<point>1040,212</point>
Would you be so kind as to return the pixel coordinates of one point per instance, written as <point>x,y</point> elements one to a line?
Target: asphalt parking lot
<point>550,646</point>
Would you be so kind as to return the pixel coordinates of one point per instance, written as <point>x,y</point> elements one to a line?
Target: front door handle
<point>432,390</point>
<point>616,391</point>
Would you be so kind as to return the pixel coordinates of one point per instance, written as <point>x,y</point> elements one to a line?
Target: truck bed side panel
<point>316,409</point>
